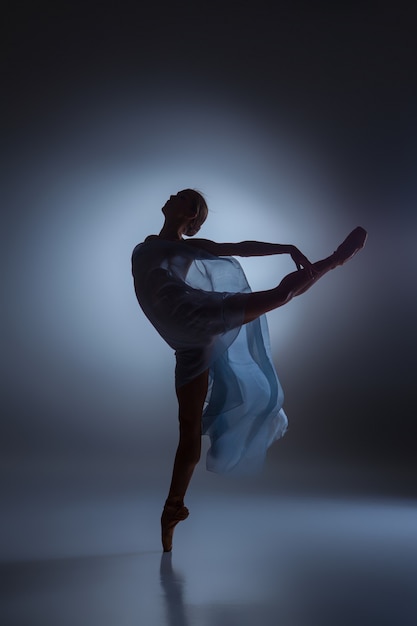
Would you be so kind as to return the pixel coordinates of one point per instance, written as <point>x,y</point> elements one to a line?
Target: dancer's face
<point>180,205</point>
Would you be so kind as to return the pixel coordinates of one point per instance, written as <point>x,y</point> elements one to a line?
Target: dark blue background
<point>298,122</point>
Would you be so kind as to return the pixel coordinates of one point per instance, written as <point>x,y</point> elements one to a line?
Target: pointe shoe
<point>354,242</point>
<point>171,515</point>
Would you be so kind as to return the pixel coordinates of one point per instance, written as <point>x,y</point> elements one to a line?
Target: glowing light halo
<point>103,289</point>
<point>87,311</point>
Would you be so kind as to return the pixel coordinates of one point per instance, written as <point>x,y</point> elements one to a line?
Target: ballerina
<point>197,297</point>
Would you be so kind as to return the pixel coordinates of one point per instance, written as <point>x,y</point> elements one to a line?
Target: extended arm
<point>251,248</point>
<point>243,248</point>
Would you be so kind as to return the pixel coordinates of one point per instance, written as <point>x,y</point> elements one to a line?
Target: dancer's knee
<point>194,456</point>
<point>190,439</point>
<point>284,293</point>
<point>190,449</point>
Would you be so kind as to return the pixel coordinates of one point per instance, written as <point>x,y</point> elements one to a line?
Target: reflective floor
<point>253,560</point>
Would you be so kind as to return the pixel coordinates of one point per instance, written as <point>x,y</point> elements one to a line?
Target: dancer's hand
<point>301,261</point>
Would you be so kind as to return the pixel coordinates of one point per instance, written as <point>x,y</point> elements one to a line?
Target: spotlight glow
<point>101,193</point>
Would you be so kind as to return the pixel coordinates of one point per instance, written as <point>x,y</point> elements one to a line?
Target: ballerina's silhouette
<point>197,297</point>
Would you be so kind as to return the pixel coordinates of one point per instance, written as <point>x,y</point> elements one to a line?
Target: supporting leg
<point>190,403</point>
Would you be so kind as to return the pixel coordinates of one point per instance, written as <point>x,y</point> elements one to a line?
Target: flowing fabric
<point>186,294</point>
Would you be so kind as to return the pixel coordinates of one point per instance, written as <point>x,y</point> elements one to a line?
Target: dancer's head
<point>201,209</point>
<point>191,205</point>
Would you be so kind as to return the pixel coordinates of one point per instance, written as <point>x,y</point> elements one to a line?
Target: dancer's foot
<point>354,242</point>
<point>171,515</point>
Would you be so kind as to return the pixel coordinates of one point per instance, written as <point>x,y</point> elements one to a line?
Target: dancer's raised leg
<point>296,283</point>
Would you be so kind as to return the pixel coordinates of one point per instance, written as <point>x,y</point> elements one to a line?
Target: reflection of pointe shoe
<point>171,515</point>
<point>354,242</point>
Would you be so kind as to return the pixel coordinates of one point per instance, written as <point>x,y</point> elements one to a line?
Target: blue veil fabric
<point>186,294</point>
